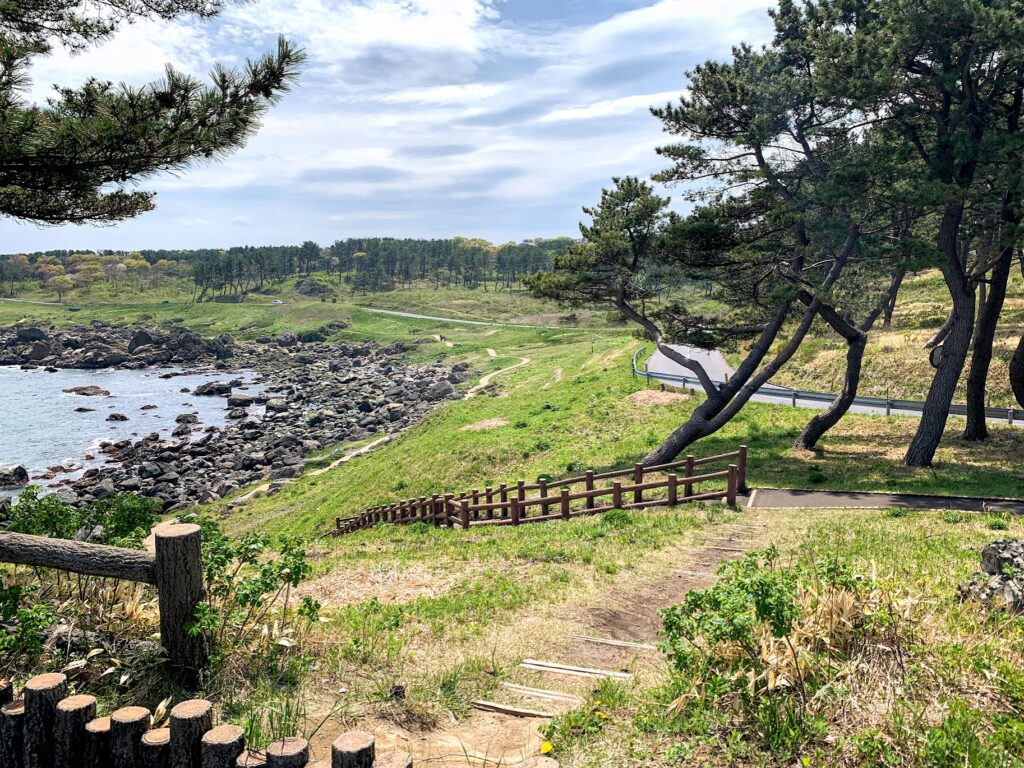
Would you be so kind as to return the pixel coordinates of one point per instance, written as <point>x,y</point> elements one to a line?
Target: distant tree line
<point>359,264</point>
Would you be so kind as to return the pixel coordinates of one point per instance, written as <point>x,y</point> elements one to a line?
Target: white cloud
<point>524,116</point>
<point>609,107</point>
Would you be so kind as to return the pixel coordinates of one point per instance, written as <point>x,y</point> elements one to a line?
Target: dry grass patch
<point>647,398</point>
<point>479,426</point>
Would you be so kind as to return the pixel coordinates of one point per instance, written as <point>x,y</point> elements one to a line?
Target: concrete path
<point>712,360</point>
<point>777,498</point>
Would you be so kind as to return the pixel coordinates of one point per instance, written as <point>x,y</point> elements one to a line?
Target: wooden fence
<point>46,728</point>
<point>659,485</point>
<point>176,569</point>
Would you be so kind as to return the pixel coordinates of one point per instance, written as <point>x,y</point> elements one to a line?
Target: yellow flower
<point>546,748</point>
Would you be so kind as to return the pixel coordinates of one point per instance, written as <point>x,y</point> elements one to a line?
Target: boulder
<point>13,477</point>
<point>277,405</point>
<point>117,417</point>
<point>143,338</point>
<point>29,334</point>
<point>439,390</point>
<point>90,391</point>
<point>213,389</point>
<point>286,339</point>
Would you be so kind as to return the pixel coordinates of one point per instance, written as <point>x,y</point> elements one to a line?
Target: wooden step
<point>506,709</point>
<point>543,694</point>
<point>615,643</point>
<point>563,669</point>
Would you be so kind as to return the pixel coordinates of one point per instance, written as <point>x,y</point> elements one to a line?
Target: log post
<point>424,507</point>
<point>127,725</point>
<point>222,746</point>
<point>6,692</point>
<point>464,514</point>
<point>565,504</point>
<point>543,490</point>
<point>155,748</point>
<point>189,721</point>
<point>617,495</point>
<point>638,477</point>
<point>289,752</point>
<point>730,493</point>
<point>69,730</point>
<point>476,501</point>
<point>590,487</point>
<point>673,489</point>
<point>41,694</point>
<point>97,743</point>
<point>489,499</point>
<point>435,516</point>
<point>179,584</point>
<point>12,732</point>
<point>503,491</point>
<point>353,750</point>
<point>521,497</point>
<point>741,463</point>
<point>514,503</point>
<point>688,487</point>
<point>448,498</point>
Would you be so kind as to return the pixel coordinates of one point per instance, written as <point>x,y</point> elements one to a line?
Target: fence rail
<point>176,569</point>
<point>1010,415</point>
<point>672,483</point>
<point>43,727</point>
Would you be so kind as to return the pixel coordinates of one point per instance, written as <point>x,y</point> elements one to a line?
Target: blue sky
<point>413,118</point>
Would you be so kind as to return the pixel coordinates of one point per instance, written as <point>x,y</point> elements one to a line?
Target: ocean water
<point>40,428</point>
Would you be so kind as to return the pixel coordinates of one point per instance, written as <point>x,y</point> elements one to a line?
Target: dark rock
<point>13,477</point>
<point>213,389</point>
<point>90,391</point>
<point>286,339</point>
<point>439,390</point>
<point>117,417</point>
<point>29,334</point>
<point>186,418</point>
<point>1000,585</point>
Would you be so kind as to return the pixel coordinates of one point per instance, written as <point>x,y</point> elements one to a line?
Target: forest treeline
<point>360,264</point>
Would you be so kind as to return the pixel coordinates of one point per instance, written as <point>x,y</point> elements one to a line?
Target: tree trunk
<point>824,421</point>
<point>961,327</point>
<point>984,336</point>
<point>890,305</point>
<point>1017,373</point>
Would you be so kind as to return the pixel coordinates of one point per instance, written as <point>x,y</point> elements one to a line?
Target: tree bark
<point>890,305</point>
<point>984,337</point>
<point>940,395</point>
<point>824,421</point>
<point>1017,372</point>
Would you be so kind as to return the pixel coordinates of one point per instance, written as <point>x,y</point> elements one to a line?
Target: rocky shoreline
<point>311,395</point>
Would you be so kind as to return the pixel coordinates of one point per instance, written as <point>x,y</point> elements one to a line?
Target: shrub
<point>310,337</point>
<point>765,639</point>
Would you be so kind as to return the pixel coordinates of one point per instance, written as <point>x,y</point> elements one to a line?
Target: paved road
<point>772,498</point>
<point>718,368</point>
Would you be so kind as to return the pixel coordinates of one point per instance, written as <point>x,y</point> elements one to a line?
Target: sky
<point>412,118</point>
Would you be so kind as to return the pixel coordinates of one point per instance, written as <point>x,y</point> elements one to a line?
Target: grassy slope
<point>895,364</point>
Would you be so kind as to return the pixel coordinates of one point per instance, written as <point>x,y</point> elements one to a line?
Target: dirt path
<point>613,631</point>
<point>486,380</point>
<point>491,352</point>
<point>782,498</point>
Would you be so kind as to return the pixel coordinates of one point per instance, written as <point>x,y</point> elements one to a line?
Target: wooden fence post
<point>476,501</point>
<point>127,726</point>
<point>521,497</point>
<point>730,494</point>
<point>41,694</point>
<point>673,489</point>
<point>12,733</point>
<point>688,487</point>
<point>543,491</point>
<point>97,742</point>
<point>514,502</point>
<point>565,503</point>
<point>290,752</point>
<point>156,748</point>
<point>189,721</point>
<point>638,477</point>
<point>179,584</point>
<point>435,516</point>
<point>741,462</point>
<point>503,497</point>
<point>446,517</point>
<point>617,495</point>
<point>222,746</point>
<point>465,514</point>
<point>590,487</point>
<point>69,731</point>
<point>353,750</point>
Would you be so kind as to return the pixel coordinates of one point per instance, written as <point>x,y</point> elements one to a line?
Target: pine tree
<point>71,160</point>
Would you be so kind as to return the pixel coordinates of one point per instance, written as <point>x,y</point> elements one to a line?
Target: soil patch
<point>345,587</point>
<point>479,426</point>
<point>651,397</point>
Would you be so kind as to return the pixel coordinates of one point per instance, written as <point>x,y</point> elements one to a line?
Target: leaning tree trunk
<point>961,327</point>
<point>984,337</point>
<point>890,305</point>
<point>1017,373</point>
<point>824,421</point>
